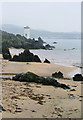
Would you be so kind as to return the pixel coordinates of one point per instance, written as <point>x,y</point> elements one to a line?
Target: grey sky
<point>56,17</point>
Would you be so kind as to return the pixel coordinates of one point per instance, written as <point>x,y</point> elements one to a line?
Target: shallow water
<point>63,53</point>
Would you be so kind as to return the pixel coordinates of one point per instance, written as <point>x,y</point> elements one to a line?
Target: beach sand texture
<point>31,100</point>
<point>41,69</point>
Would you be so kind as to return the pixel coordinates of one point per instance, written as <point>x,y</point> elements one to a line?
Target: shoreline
<point>46,54</point>
<point>45,69</point>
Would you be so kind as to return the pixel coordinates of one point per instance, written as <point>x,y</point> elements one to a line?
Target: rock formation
<point>57,75</point>
<point>78,77</point>
<point>26,56</point>
<point>31,77</point>
<point>46,61</point>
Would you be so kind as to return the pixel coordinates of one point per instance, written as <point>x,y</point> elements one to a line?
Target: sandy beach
<point>31,100</point>
<point>41,69</point>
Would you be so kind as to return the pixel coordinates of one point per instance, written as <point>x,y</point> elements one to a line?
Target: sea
<point>66,52</point>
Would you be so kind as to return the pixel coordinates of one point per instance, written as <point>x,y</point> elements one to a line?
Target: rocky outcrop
<point>26,56</point>
<point>78,77</point>
<point>6,54</point>
<point>46,61</point>
<point>31,77</point>
<point>49,47</point>
<point>57,75</point>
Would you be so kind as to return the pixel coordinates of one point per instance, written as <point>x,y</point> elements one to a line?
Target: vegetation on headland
<point>17,41</point>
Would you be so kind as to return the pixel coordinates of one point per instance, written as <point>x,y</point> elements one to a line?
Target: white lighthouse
<point>27,32</point>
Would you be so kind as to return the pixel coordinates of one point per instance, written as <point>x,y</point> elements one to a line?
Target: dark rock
<point>49,81</point>
<point>74,86</point>
<point>54,42</point>
<point>26,56</point>
<point>65,49</point>
<point>31,77</point>
<point>27,77</point>
<point>6,54</point>
<point>57,75</point>
<point>49,47</point>
<point>46,61</point>
<point>73,48</point>
<point>8,78</point>
<point>33,111</point>
<point>72,90</point>
<point>40,40</point>
<point>40,102</point>
<point>78,77</point>
<point>1,108</point>
<point>37,59</point>
<point>62,86</point>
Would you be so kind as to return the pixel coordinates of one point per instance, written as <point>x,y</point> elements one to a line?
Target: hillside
<point>42,33</point>
<point>18,41</point>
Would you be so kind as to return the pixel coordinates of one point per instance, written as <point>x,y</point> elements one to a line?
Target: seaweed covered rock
<point>49,81</point>
<point>46,61</point>
<point>31,77</point>
<point>6,54</point>
<point>26,56</point>
<point>78,77</point>
<point>57,75</point>
<point>27,77</point>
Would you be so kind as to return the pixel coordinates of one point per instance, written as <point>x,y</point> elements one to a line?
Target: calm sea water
<point>66,52</point>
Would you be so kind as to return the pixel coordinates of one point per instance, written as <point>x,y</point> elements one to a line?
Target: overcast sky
<point>56,17</point>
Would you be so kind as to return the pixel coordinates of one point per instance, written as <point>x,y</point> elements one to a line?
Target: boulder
<point>54,42</point>
<point>78,77</point>
<point>46,61</point>
<point>1,108</point>
<point>57,75</point>
<point>26,56</point>
<point>31,77</point>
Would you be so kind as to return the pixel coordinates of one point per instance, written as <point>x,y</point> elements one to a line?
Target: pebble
<point>33,110</point>
<point>40,102</point>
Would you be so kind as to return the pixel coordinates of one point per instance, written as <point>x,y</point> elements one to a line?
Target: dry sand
<point>31,100</point>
